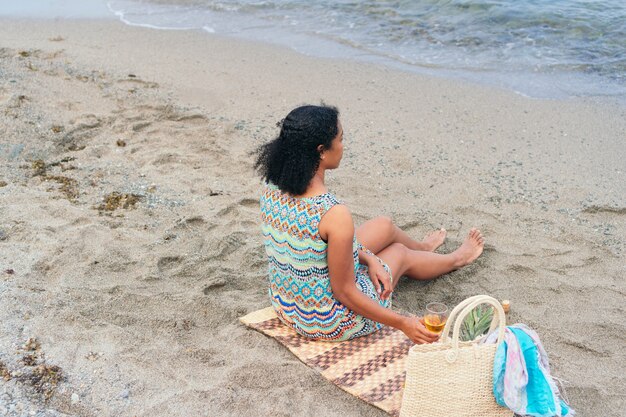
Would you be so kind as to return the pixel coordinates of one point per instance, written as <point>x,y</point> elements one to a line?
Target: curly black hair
<point>290,160</point>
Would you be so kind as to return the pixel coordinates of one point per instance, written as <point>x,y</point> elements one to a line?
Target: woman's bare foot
<point>434,239</point>
<point>470,249</point>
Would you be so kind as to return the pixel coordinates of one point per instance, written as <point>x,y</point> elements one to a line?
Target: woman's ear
<point>320,149</point>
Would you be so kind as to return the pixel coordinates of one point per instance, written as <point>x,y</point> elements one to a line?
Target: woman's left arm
<point>338,229</point>
<point>378,274</point>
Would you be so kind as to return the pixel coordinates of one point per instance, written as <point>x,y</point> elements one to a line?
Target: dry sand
<point>138,306</point>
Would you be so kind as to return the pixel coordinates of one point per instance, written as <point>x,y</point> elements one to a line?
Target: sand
<point>129,238</point>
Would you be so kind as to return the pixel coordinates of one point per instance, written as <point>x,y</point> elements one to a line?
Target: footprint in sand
<point>87,126</point>
<point>256,376</point>
<point>138,127</point>
<point>138,82</point>
<point>193,222</point>
<point>209,357</point>
<point>229,211</point>
<point>605,209</point>
<point>249,203</point>
<point>227,245</point>
<point>213,285</point>
<point>521,269</point>
<point>167,263</point>
<point>169,158</point>
<point>234,211</point>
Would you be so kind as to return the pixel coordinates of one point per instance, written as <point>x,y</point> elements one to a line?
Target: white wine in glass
<point>435,317</point>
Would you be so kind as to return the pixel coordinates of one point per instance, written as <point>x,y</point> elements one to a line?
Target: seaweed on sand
<point>69,186</point>
<point>39,168</point>
<point>4,372</point>
<point>45,379</point>
<point>115,200</point>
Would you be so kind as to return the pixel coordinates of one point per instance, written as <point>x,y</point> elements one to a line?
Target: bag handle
<point>453,314</point>
<point>498,314</point>
<point>466,307</point>
<point>499,319</point>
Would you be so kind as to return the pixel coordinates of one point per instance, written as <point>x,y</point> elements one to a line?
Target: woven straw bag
<point>451,378</point>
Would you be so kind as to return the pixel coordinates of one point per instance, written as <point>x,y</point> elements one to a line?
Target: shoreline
<point>536,86</point>
<point>139,305</point>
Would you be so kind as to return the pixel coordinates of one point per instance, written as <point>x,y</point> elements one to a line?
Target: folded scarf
<point>521,375</point>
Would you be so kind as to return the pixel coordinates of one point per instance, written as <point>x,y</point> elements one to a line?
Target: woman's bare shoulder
<point>337,221</point>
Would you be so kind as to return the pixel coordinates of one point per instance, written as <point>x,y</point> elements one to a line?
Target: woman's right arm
<point>337,228</point>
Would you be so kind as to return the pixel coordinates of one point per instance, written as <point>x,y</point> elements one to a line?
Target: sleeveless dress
<point>299,283</point>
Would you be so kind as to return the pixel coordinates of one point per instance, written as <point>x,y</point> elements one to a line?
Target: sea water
<point>539,48</point>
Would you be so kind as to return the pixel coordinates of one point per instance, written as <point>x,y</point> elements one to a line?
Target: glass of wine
<point>435,317</point>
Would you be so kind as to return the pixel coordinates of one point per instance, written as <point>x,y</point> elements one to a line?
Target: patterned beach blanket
<point>371,368</point>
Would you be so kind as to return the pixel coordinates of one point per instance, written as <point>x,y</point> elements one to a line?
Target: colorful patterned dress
<point>299,288</point>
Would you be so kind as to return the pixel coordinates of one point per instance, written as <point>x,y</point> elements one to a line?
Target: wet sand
<point>129,238</point>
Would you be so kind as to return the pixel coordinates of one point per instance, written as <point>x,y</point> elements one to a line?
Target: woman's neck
<point>316,186</point>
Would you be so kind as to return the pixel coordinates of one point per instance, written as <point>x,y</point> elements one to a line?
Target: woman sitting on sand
<point>328,281</point>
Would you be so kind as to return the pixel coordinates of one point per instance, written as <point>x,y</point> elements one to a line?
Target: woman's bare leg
<point>426,265</point>
<point>380,232</point>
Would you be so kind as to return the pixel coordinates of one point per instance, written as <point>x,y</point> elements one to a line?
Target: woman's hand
<point>380,278</point>
<point>415,329</point>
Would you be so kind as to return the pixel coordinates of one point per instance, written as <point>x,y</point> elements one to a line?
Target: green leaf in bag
<point>476,323</point>
<point>485,321</point>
